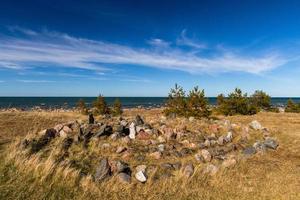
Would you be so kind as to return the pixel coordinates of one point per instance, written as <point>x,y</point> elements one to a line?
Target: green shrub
<point>292,107</point>
<point>117,107</point>
<point>100,106</point>
<point>176,103</point>
<point>197,104</point>
<point>236,103</point>
<point>261,100</point>
<point>81,106</point>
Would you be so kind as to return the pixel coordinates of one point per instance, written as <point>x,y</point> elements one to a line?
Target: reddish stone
<point>142,135</point>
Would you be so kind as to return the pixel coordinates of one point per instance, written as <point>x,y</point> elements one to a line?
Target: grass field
<point>275,175</point>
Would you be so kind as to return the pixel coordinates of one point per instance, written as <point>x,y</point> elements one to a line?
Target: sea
<point>127,102</point>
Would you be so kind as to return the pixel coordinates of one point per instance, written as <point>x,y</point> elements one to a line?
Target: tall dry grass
<point>275,175</point>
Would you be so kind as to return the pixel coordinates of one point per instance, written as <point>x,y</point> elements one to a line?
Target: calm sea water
<point>127,102</point>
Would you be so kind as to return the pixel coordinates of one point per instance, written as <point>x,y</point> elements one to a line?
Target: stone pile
<point>220,144</point>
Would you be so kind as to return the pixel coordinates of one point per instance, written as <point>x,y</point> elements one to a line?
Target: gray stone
<point>260,146</point>
<point>271,143</point>
<point>103,170</point>
<point>248,151</point>
<point>138,120</point>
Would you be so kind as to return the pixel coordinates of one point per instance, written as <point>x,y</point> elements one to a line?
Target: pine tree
<point>237,103</point>
<point>261,100</point>
<point>292,107</point>
<point>117,107</point>
<point>100,106</point>
<point>197,103</point>
<point>176,103</point>
<point>81,106</point>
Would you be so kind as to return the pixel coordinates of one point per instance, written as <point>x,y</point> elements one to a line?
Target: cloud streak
<point>53,49</point>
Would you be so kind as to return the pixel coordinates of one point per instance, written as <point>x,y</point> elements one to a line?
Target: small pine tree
<point>100,106</point>
<point>292,107</point>
<point>261,100</point>
<point>176,103</point>
<point>117,107</point>
<point>237,103</point>
<point>81,106</point>
<point>197,104</point>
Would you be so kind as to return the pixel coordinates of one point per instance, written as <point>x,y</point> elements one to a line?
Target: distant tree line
<point>195,104</point>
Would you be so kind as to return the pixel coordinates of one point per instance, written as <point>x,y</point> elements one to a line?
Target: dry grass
<point>275,175</point>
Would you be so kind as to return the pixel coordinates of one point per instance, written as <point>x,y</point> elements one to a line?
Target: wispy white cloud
<point>35,81</point>
<point>61,50</point>
<point>156,42</point>
<point>183,40</point>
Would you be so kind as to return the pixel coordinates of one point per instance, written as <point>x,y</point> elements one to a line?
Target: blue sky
<point>142,48</point>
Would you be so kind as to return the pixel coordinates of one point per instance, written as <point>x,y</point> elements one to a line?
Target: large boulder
<point>103,171</point>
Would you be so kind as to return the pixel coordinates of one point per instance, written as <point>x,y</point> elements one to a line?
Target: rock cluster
<point>215,145</point>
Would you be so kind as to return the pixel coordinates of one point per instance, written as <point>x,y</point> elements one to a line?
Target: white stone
<point>255,125</point>
<point>140,176</point>
<point>132,131</point>
<point>161,147</point>
<point>229,137</point>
